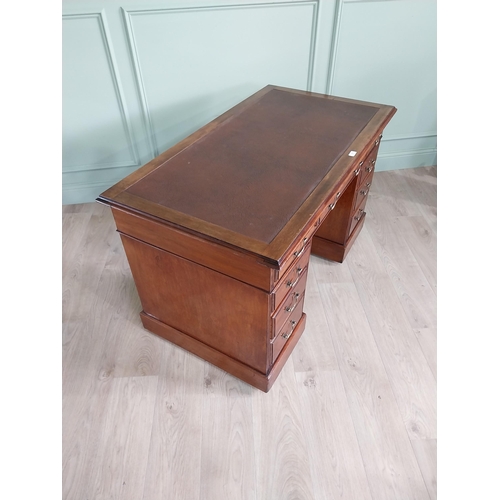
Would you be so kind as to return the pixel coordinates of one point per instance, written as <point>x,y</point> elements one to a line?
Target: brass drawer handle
<point>298,254</point>
<point>292,284</point>
<point>369,169</point>
<point>356,172</point>
<point>359,216</point>
<point>337,196</point>
<point>364,191</point>
<point>296,297</point>
<point>376,142</point>
<point>286,336</point>
<point>373,161</point>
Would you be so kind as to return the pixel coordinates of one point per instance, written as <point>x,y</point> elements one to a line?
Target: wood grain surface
<point>351,416</point>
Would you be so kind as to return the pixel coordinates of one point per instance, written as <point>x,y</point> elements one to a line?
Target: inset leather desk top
<point>252,173</point>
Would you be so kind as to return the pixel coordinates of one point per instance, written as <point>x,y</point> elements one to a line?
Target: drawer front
<point>358,214</point>
<point>217,257</point>
<point>292,277</point>
<point>368,165</point>
<point>287,329</point>
<point>300,248</point>
<point>289,304</point>
<point>363,189</point>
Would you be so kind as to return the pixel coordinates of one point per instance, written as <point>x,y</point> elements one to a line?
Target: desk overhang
<point>254,177</point>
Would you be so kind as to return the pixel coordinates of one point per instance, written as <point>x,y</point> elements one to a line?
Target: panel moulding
<point>129,14</point>
<point>115,76</point>
<point>337,23</point>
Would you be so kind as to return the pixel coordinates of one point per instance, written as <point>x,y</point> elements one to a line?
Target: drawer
<point>368,165</point>
<point>289,304</point>
<point>330,205</point>
<point>363,189</point>
<point>300,248</point>
<point>358,215</point>
<point>287,329</point>
<point>292,277</point>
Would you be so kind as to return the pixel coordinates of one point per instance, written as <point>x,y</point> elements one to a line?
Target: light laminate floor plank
<point>81,273</point>
<point>421,184</point>
<point>427,338</point>
<point>388,457</point>
<point>82,429</point>
<point>282,463</point>
<point>314,351</point>
<point>119,468</point>
<point>415,293</point>
<point>74,225</point>
<point>228,468</point>
<point>336,463</point>
<point>426,453</point>
<point>421,188</point>
<point>407,368</point>
<point>174,458</point>
<point>391,191</point>
<point>421,240</point>
<point>327,271</point>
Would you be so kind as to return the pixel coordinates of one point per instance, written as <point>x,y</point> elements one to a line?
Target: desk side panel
<point>223,313</point>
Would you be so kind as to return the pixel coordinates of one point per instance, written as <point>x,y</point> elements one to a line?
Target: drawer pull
<point>296,297</point>
<point>332,205</point>
<point>286,336</point>
<point>376,142</point>
<point>369,169</point>
<point>292,284</point>
<point>358,217</point>
<point>298,254</point>
<point>356,172</point>
<point>373,161</point>
<point>368,185</point>
<point>363,192</point>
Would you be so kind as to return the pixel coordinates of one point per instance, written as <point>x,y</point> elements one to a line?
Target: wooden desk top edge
<point>275,251</point>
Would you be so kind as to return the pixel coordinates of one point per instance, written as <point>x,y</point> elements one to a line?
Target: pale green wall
<point>138,76</point>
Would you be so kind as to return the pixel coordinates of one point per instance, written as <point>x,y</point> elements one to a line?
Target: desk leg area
<point>339,230</point>
<point>332,250</point>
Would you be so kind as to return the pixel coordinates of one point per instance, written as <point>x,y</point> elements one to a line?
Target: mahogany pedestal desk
<point>218,229</point>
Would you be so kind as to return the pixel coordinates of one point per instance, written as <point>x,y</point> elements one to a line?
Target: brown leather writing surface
<point>252,173</point>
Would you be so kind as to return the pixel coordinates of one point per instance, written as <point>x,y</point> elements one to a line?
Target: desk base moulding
<point>240,370</point>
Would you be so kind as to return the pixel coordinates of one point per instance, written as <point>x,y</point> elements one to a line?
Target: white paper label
<point>352,153</point>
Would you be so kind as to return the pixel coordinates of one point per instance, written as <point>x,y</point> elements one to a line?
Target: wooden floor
<point>352,415</point>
